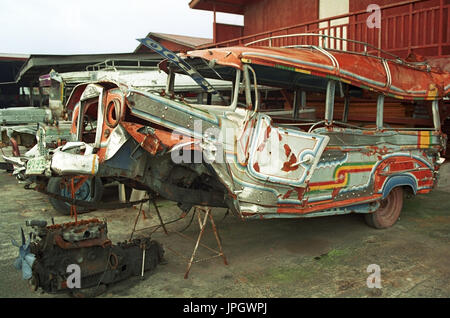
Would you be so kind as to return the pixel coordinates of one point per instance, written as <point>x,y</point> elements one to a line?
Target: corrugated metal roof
<point>12,56</point>
<point>188,41</point>
<point>42,64</point>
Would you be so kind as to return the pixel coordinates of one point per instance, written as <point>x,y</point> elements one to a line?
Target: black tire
<point>56,186</point>
<point>388,212</point>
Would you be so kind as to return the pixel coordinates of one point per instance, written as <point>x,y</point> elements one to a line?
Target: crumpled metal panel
<point>115,141</point>
<point>176,115</point>
<point>65,163</point>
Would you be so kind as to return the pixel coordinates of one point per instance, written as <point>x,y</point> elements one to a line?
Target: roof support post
<point>31,88</point>
<point>346,108</point>
<point>215,25</point>
<point>247,83</point>
<point>296,108</point>
<point>299,102</point>
<point>380,111</point>
<point>100,118</point>
<point>436,117</point>
<point>170,84</point>
<point>329,104</point>
<point>303,100</point>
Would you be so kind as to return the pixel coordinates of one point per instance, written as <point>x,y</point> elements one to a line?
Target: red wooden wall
<point>267,15</point>
<point>226,32</point>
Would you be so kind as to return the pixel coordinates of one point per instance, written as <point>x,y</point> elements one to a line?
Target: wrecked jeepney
<point>261,148</point>
<point>61,87</point>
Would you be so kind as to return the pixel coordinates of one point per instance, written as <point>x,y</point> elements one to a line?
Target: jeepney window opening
<point>376,111</point>
<point>87,116</point>
<point>221,78</point>
<point>286,95</point>
<point>227,89</point>
<point>252,94</point>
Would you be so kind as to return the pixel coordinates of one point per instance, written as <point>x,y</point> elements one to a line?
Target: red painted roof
<point>407,81</point>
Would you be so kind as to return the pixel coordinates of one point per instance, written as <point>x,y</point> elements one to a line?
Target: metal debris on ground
<point>53,248</point>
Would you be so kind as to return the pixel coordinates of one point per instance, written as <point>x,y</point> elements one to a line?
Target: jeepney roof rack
<point>125,64</point>
<point>324,37</point>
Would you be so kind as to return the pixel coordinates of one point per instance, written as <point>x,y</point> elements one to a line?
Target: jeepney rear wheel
<point>388,212</point>
<point>57,185</point>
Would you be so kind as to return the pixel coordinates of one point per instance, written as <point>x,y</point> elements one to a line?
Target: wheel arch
<point>408,182</point>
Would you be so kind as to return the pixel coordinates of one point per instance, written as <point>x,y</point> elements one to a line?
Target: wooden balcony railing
<point>410,26</point>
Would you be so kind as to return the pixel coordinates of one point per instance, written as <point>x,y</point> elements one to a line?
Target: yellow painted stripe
<point>93,165</point>
<point>299,70</point>
<point>424,139</point>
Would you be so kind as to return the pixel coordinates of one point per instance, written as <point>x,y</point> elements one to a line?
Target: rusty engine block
<point>86,244</point>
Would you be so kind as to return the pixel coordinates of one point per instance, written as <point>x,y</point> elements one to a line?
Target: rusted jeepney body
<point>237,152</point>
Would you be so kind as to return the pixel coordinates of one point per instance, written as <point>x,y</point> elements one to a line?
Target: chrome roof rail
<point>124,64</point>
<point>324,37</point>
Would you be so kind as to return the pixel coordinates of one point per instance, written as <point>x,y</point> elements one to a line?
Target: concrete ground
<point>319,257</point>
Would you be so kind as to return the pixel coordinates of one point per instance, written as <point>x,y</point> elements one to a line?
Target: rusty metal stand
<point>202,225</point>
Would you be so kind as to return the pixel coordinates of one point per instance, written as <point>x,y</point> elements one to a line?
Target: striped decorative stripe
<point>341,176</point>
<point>424,139</point>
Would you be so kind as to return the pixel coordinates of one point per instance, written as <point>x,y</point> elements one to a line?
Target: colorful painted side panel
<point>356,168</point>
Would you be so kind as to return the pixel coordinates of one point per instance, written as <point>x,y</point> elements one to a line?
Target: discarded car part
<point>85,244</point>
<point>26,258</point>
<point>88,190</point>
<point>24,115</point>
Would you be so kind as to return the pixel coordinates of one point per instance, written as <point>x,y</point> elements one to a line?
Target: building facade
<point>419,27</point>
